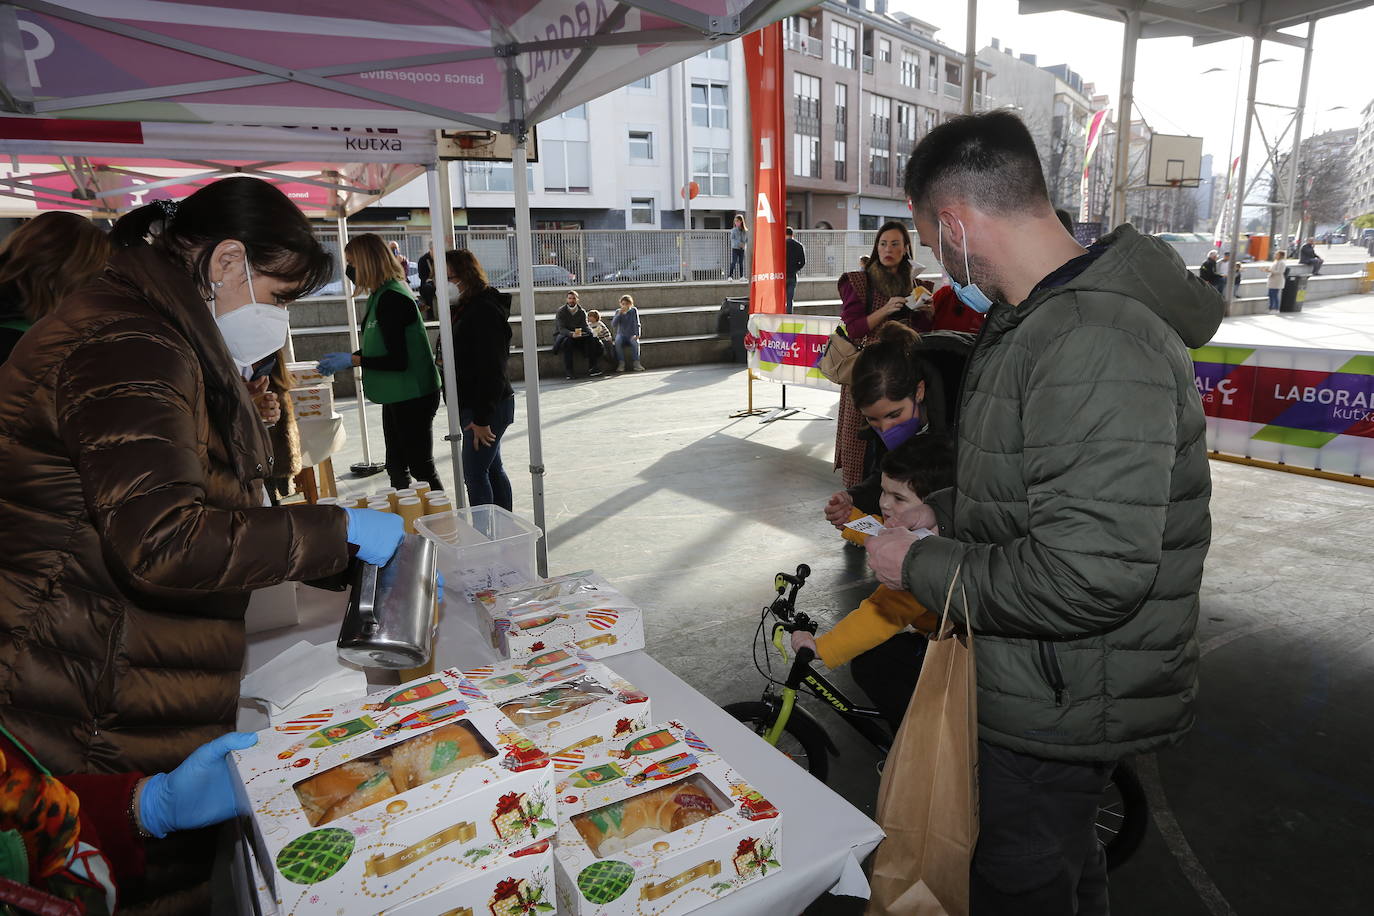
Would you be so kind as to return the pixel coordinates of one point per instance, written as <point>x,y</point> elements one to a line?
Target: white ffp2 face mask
<point>255,330</point>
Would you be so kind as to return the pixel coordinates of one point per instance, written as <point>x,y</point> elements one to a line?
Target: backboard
<point>1175,162</point>
<point>483,146</point>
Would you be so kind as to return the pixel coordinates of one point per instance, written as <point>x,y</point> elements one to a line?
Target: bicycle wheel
<point>1122,815</point>
<point>802,740</point>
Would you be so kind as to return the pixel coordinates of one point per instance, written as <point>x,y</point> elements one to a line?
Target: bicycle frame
<point>866,720</point>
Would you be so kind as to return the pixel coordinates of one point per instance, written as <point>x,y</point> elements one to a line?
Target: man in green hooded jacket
<point>1079,521</point>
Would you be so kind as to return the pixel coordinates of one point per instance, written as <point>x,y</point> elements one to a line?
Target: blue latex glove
<point>331,363</point>
<point>375,534</point>
<point>198,793</point>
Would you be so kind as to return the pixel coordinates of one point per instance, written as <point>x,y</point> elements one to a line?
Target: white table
<point>824,838</point>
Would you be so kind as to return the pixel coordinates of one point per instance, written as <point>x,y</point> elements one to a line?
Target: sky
<point>1171,91</point>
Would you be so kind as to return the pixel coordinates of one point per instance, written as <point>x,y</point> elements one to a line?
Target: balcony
<point>954,91</point>
<point>803,44</point>
<point>868,63</point>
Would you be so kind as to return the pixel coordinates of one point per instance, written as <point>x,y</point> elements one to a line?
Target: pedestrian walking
<point>796,260</point>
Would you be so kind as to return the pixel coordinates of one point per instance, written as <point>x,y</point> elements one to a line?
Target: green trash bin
<point>1294,293</point>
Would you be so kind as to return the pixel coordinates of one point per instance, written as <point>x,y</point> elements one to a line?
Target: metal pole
<point>1126,105</point>
<point>353,346</point>
<point>686,122</point>
<point>970,55</point>
<point>1234,268</point>
<point>440,228</point>
<point>1296,159</point>
<point>529,344</point>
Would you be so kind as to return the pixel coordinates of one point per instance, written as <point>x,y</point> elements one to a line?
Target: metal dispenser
<point>391,613</point>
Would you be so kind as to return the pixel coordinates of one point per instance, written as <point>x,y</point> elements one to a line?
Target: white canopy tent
<point>423,65</point>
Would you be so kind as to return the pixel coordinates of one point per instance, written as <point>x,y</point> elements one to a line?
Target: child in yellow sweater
<point>887,660</point>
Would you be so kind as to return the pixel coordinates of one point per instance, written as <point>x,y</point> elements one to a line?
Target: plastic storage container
<point>482,547</point>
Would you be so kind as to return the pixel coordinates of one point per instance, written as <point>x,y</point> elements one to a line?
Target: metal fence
<point>593,257</point>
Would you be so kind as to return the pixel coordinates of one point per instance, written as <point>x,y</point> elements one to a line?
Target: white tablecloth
<point>824,838</point>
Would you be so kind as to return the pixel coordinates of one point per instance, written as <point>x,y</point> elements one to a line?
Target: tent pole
<point>1233,269</point>
<point>529,344</point>
<point>1295,160</point>
<point>353,346</point>
<point>441,227</point>
<point>970,55</point>
<point>1125,106</point>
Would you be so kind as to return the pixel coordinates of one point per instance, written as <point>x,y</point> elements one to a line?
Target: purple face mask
<point>894,436</point>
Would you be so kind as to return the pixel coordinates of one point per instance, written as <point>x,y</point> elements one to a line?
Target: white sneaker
<point>638,367</point>
<point>620,368</point>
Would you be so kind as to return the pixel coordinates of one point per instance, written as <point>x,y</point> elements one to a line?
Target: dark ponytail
<point>274,231</point>
<point>887,367</point>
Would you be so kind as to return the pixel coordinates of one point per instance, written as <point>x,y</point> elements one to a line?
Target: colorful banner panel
<point>764,66</point>
<point>1305,407</point>
<point>787,348</point>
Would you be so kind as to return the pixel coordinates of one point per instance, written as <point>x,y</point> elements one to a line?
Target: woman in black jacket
<point>486,403</point>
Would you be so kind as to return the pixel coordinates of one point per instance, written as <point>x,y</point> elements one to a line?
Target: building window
<point>577,114</point>
<point>567,164</point>
<point>641,146</point>
<point>843,38</point>
<point>806,139</point>
<point>900,174</point>
<point>643,211</point>
<point>495,176</point>
<point>879,168</point>
<point>710,104</point>
<point>719,52</point>
<point>841,108</point>
<point>880,107</point>
<point>884,50</point>
<point>911,68</point>
<point>932,118</point>
<point>841,160</point>
<point>711,171</point>
<point>933,84</point>
<point>645,84</point>
<point>906,123</point>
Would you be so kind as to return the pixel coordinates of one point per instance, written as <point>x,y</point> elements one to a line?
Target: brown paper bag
<point>928,798</point>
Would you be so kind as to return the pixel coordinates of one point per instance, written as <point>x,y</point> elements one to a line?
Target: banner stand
<point>782,412</point>
<point>751,410</point>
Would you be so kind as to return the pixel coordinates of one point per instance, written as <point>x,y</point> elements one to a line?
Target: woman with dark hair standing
<point>877,294</point>
<point>135,516</point>
<point>41,263</point>
<point>398,365</point>
<point>486,402</point>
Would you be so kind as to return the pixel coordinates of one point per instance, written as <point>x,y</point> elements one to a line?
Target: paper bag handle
<point>943,631</point>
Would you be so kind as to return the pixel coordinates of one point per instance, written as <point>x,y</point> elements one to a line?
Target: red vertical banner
<point>764,70</point>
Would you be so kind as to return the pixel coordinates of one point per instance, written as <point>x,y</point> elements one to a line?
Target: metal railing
<point>610,257</point>
<point>804,44</point>
<point>868,63</point>
<point>954,91</point>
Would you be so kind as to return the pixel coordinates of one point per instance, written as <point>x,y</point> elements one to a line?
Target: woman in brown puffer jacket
<point>132,500</point>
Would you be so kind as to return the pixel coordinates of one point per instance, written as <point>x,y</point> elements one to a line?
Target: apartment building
<point>1362,165</point>
<point>620,161</point>
<point>866,86</point>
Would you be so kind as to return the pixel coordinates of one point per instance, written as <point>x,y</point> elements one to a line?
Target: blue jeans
<point>736,260</point>
<point>621,342</point>
<point>791,291</point>
<point>1274,299</point>
<point>484,477</point>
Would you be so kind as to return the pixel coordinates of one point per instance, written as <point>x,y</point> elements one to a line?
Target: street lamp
<point>1231,143</point>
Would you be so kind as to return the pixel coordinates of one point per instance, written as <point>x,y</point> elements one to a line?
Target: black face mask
<point>351,274</point>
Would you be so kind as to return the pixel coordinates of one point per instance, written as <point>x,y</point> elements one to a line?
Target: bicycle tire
<point>1134,817</point>
<point>757,716</point>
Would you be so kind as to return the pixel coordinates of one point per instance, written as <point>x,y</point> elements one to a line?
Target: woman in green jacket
<point>397,362</point>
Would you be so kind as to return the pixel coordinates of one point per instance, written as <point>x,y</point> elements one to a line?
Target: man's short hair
<point>789,232</point>
<point>987,159</point>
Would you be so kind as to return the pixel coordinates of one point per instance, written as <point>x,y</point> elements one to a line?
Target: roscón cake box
<point>563,700</point>
<point>659,823</point>
<point>355,809</point>
<point>581,609</point>
<point>519,884</point>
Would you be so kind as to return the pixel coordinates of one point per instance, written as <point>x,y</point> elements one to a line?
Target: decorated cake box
<point>659,823</point>
<point>582,609</point>
<point>518,884</point>
<point>562,700</point>
<point>361,807</point>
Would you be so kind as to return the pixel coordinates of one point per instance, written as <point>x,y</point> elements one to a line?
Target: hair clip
<point>168,208</point>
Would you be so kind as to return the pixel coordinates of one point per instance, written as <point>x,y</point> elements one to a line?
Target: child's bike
<point>1122,814</point>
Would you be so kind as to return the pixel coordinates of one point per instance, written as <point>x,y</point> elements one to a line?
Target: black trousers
<point>1038,852</point>
<point>589,347</point>
<point>408,430</point>
<point>888,672</point>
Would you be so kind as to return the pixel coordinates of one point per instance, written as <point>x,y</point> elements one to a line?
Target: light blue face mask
<point>970,295</point>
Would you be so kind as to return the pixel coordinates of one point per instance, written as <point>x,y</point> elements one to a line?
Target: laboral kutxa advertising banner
<point>788,348</point>
<point>1303,407</point>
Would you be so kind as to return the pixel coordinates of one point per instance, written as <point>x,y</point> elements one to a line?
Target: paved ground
<point>1264,809</point>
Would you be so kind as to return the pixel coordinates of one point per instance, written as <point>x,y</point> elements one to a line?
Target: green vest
<point>420,376</point>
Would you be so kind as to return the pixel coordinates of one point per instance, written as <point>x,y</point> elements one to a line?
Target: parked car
<point>334,288</point>
<point>656,266</point>
<point>544,275</point>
